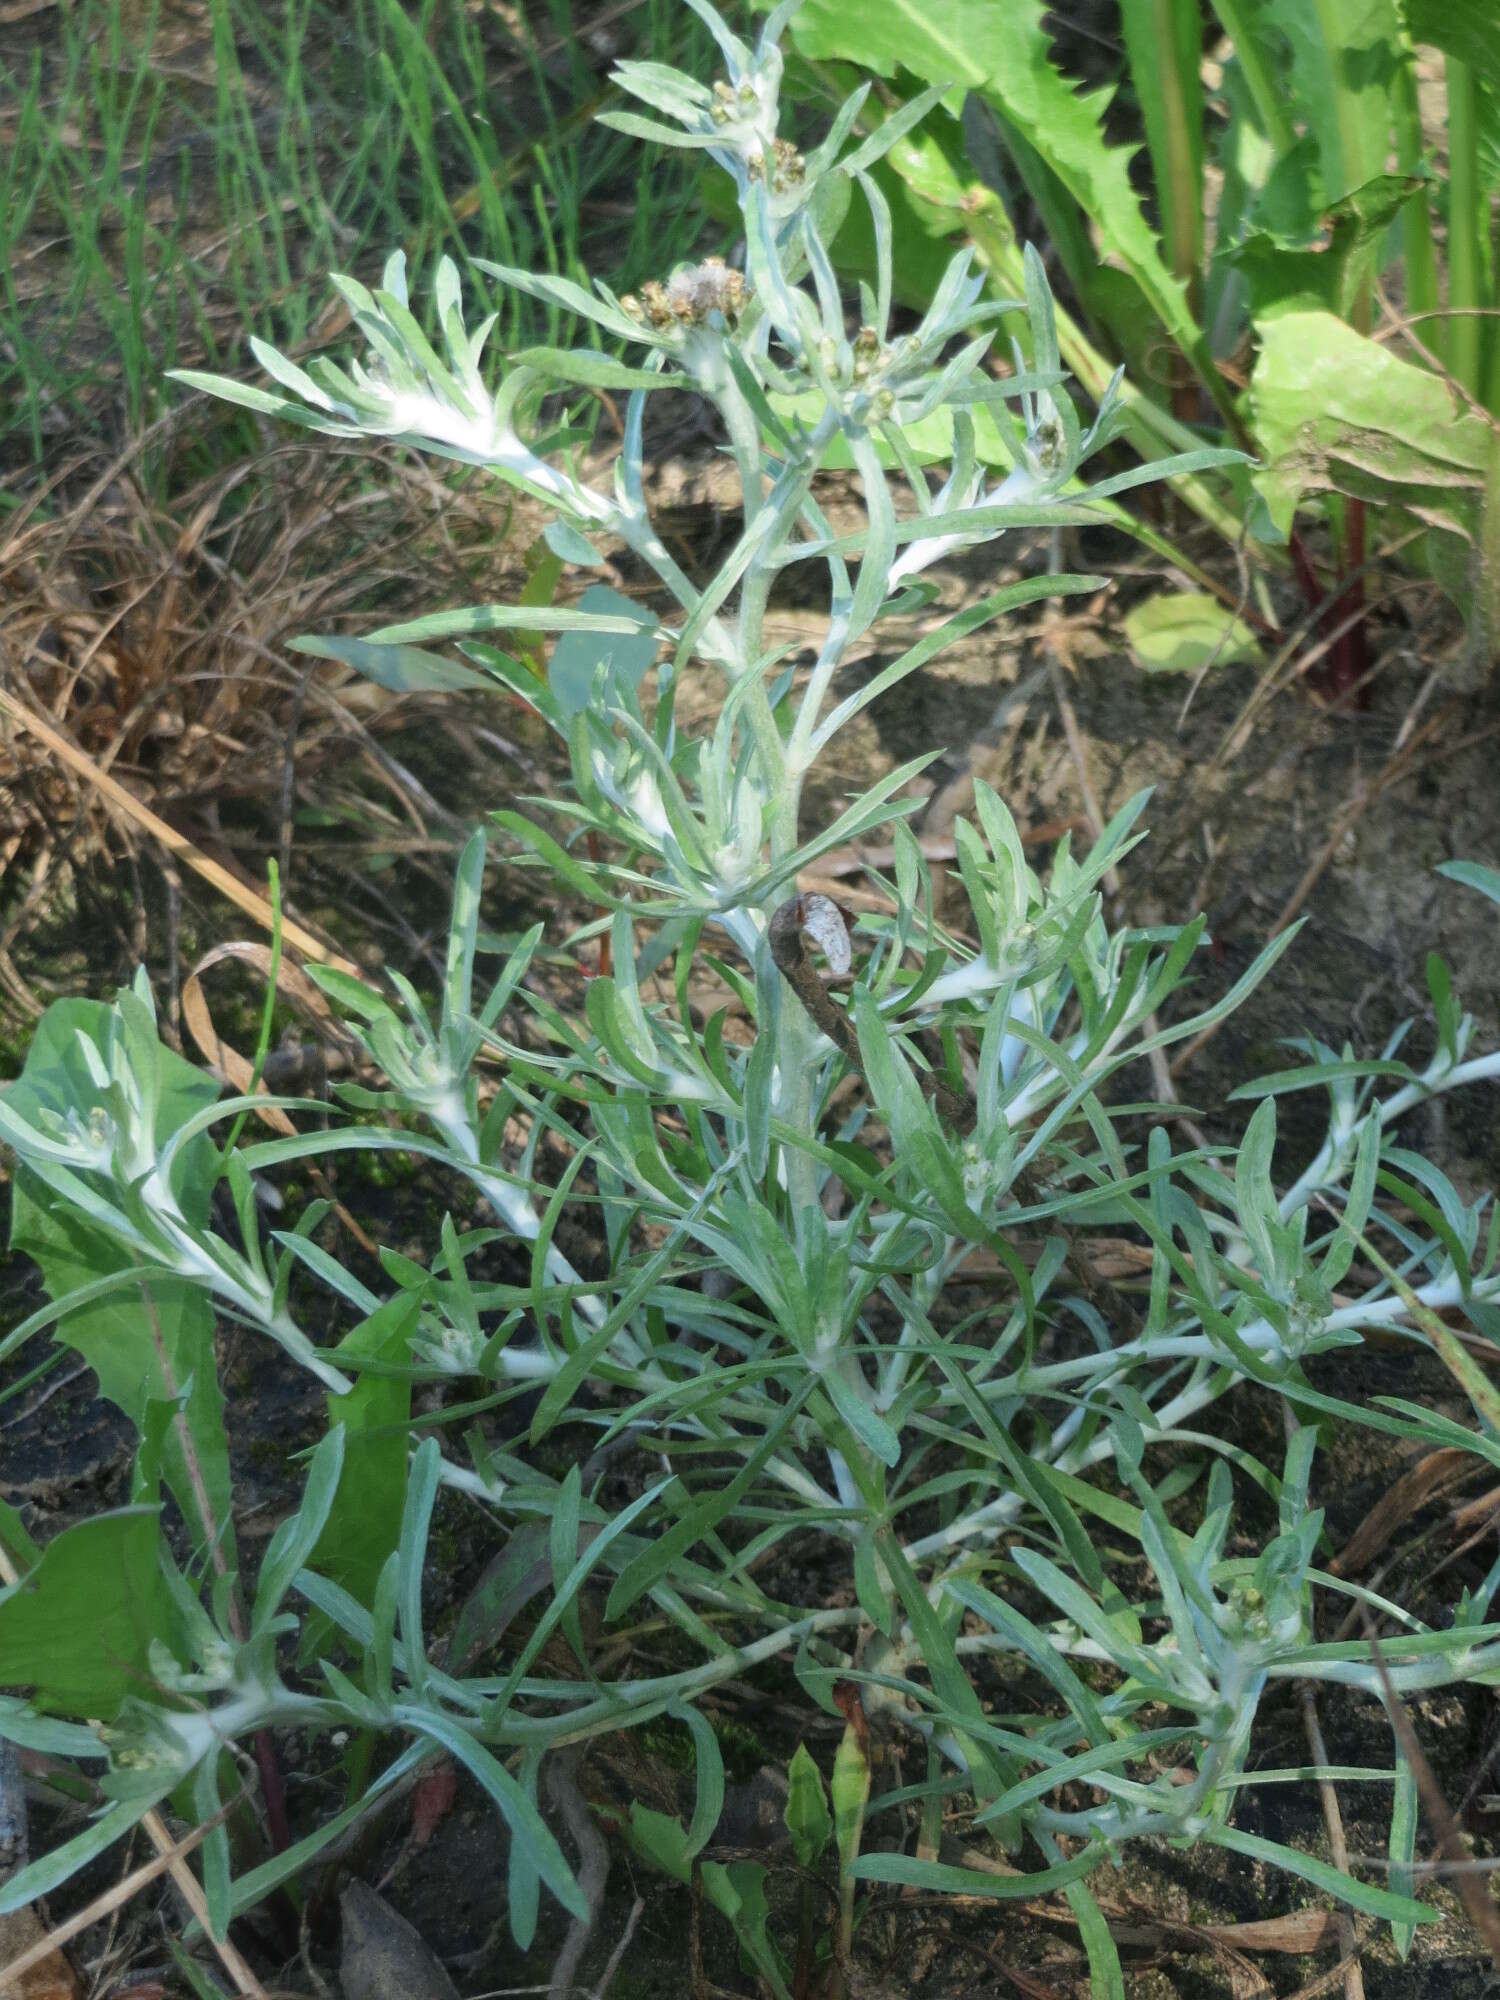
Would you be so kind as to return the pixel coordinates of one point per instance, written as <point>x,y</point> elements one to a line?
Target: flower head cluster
<point>735,121</point>
<point>697,295</point>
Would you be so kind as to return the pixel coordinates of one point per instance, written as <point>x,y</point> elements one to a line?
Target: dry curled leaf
<point>52,1979</point>
<point>383,1957</point>
<point>1410,1494</point>
<point>823,921</point>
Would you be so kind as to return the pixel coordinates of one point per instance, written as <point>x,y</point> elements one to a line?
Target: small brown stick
<point>177,844</point>
<point>109,1900</point>
<point>1338,1847</point>
<point>1326,1981</point>
<point>617,1956</point>
<point>593,1864</point>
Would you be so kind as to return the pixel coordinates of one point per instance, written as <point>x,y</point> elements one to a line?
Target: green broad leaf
<point>150,1340</point>
<point>807,1817</point>
<point>1328,263</point>
<point>662,1840</point>
<point>1184,632</point>
<point>544,571</point>
<point>1464,29</point>
<point>1164,46</point>
<point>850,1791</point>
<point>1005,54</point>
<point>364,1522</point>
<point>15,1538</point>
<point>1347,78</point>
<point>738,1891</point>
<point>76,1630</point>
<point>1336,412</point>
<point>402,669</point>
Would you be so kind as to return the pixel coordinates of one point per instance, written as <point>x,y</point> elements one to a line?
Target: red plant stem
<point>1344,669</point>
<point>1351,655</point>
<point>272,1791</point>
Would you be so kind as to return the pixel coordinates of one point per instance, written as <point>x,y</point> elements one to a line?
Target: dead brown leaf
<point>1418,1485</point>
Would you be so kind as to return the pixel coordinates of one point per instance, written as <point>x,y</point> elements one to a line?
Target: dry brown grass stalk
<point>149,703</point>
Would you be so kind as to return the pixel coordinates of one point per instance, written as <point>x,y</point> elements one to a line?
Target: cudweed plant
<point>787,1182</point>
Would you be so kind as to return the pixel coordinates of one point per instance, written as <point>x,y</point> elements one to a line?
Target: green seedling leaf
<point>518,1811</point>
<point>1186,632</point>
<point>294,1540</point>
<point>1403,1846</point>
<point>577,657</point>
<point>364,1521</point>
<point>942,1879</point>
<point>150,1340</point>
<point>738,1892</point>
<point>416,1518</point>
<point>76,1630</point>
<point>850,1791</point>
<point>807,1817</point>
<point>1106,1975</point>
<point>49,1871</point>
